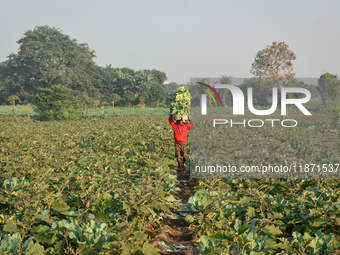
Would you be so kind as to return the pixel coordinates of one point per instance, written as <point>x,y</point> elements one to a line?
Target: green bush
<point>330,107</point>
<point>129,98</point>
<point>58,103</point>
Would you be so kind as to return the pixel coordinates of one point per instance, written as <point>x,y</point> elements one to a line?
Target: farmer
<point>180,135</point>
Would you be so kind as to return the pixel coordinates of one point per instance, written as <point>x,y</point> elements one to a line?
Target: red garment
<point>181,131</point>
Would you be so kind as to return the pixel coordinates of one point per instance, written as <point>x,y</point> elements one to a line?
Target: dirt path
<point>176,231</point>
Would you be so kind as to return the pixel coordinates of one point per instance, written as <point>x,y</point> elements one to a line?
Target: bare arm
<point>170,120</point>
<point>192,125</point>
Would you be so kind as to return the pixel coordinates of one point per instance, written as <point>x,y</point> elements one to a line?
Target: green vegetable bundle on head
<point>179,104</point>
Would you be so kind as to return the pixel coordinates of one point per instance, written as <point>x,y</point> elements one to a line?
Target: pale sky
<point>187,38</point>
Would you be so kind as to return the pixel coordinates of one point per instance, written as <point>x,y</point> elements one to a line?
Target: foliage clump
<point>329,88</point>
<point>58,103</point>
<point>179,104</point>
<point>329,107</point>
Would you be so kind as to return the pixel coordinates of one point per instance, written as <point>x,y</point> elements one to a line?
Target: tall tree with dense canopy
<point>157,76</point>
<point>274,62</point>
<point>47,57</point>
<point>329,87</point>
<point>153,93</point>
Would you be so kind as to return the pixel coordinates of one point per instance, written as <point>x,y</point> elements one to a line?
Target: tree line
<point>51,65</point>
<point>273,67</point>
<point>46,57</point>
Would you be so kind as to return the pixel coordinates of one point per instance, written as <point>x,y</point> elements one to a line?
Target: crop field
<point>83,187</point>
<point>6,111</point>
<point>106,187</point>
<point>24,111</point>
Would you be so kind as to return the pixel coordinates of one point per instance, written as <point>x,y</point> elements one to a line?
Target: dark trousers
<point>181,151</point>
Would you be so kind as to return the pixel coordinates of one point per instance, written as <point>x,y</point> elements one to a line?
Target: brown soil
<point>177,231</point>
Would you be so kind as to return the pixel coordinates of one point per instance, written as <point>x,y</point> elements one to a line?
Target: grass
<point>128,112</point>
<point>21,111</point>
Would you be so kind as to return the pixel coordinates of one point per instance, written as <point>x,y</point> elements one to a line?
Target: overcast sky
<point>187,38</point>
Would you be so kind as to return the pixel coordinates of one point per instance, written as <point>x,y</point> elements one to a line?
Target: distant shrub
<point>337,118</point>
<point>58,103</point>
<point>329,107</point>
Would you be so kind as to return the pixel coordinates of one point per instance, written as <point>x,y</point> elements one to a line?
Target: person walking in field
<point>181,135</point>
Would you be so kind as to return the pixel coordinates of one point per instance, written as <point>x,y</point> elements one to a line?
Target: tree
<point>274,62</point>
<point>173,86</point>
<point>116,99</point>
<point>117,81</point>
<point>157,76</point>
<point>126,79</point>
<point>329,86</point>
<point>47,57</point>
<point>107,83</point>
<point>12,100</point>
<point>129,98</point>
<point>58,103</point>
<point>224,79</point>
<point>170,88</point>
<point>261,90</point>
<point>153,93</point>
<point>313,89</point>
